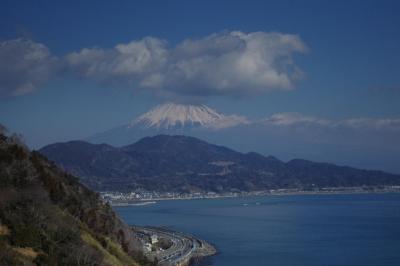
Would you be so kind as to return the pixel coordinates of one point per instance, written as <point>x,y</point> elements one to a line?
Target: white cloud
<point>134,61</point>
<point>227,63</point>
<point>287,119</point>
<point>371,123</point>
<point>362,123</point>
<point>24,66</point>
<point>220,64</point>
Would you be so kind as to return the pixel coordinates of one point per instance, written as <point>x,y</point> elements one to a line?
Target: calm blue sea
<point>301,230</point>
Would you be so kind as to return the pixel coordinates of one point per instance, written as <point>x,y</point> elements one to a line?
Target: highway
<point>183,248</point>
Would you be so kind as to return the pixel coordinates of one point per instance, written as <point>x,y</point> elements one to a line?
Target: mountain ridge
<point>188,164</point>
<point>287,135</point>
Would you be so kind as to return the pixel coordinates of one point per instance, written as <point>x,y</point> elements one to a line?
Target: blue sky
<point>350,62</point>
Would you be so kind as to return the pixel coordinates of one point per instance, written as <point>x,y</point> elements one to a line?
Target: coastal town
<point>143,197</point>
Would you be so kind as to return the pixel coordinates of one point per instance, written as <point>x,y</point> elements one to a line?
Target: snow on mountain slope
<point>171,115</point>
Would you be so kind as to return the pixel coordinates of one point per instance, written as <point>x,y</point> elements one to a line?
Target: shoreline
<point>144,202</point>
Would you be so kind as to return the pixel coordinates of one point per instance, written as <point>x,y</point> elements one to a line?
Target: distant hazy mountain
<point>181,163</point>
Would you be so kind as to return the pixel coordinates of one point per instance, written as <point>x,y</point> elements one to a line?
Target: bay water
<point>303,230</point>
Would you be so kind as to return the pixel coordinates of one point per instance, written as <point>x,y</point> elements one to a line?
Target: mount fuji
<point>171,119</point>
<point>285,135</point>
<point>178,116</point>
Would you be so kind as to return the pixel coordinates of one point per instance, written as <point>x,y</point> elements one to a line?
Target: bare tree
<point>3,130</point>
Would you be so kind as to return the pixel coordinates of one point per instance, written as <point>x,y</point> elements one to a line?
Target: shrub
<point>26,236</point>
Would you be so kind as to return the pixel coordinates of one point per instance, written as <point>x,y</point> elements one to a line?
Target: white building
<point>153,239</point>
<point>147,247</point>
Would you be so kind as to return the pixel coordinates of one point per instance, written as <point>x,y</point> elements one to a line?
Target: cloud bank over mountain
<point>361,123</point>
<point>225,63</point>
<point>175,116</point>
<point>202,121</point>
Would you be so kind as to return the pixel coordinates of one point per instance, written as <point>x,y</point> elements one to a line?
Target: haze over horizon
<point>323,77</point>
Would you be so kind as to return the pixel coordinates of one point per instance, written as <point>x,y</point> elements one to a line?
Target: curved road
<point>183,247</point>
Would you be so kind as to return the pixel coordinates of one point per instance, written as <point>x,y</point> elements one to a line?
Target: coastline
<point>136,203</point>
<point>153,200</point>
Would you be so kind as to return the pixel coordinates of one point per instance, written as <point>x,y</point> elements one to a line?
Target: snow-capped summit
<point>173,119</point>
<point>171,115</point>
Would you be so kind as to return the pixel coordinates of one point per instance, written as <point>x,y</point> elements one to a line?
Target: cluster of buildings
<point>116,198</point>
<point>148,246</point>
<point>120,197</point>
